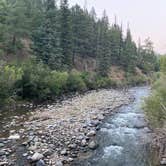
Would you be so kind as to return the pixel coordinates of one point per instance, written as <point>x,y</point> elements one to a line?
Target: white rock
<point>91,133</point>
<point>37,156</point>
<point>16,136</point>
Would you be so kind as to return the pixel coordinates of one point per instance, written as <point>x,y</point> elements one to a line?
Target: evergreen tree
<point>116,41</point>
<point>130,53</point>
<point>46,39</point>
<point>103,50</point>
<point>66,36</point>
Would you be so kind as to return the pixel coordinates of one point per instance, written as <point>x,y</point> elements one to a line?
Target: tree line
<point>59,34</point>
<point>54,36</point>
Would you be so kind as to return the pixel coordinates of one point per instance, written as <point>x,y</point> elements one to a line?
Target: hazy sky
<point>147,18</point>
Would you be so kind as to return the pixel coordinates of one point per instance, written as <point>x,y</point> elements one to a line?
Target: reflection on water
<point>124,138</point>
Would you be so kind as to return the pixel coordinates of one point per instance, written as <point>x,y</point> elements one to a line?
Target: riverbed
<point>124,138</point>
<point>62,133</point>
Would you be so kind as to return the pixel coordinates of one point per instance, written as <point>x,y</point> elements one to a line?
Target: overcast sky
<point>147,18</point>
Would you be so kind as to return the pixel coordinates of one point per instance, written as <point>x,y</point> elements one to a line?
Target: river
<point>124,138</point>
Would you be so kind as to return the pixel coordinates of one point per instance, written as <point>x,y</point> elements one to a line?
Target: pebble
<point>40,163</point>
<point>2,145</point>
<point>91,133</point>
<point>64,152</point>
<point>37,156</point>
<point>93,145</point>
<point>14,137</point>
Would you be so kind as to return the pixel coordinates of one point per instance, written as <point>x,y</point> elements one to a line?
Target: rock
<point>40,163</point>
<point>100,117</point>
<point>72,146</point>
<point>2,145</point>
<point>37,156</point>
<point>64,152</point>
<point>47,152</point>
<point>93,145</point>
<point>91,133</point>
<point>25,155</point>
<point>70,159</point>
<point>59,163</point>
<point>83,142</point>
<point>3,163</point>
<point>14,137</point>
<point>163,161</point>
<point>2,152</point>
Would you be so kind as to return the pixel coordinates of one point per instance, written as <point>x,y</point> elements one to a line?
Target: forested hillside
<point>43,44</point>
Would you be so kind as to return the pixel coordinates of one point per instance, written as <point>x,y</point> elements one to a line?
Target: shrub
<point>9,74</point>
<point>34,82</point>
<point>75,82</point>
<point>58,82</point>
<point>155,105</point>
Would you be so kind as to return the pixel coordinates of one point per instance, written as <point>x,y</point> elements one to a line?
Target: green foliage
<point>66,34</point>
<point>155,104</point>
<point>75,82</point>
<point>9,74</point>
<point>135,79</point>
<point>58,82</point>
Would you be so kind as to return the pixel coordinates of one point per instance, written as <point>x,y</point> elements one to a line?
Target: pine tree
<point>66,36</point>
<point>103,50</point>
<point>46,39</point>
<point>130,53</point>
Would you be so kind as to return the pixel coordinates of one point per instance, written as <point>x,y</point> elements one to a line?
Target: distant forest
<point>56,36</point>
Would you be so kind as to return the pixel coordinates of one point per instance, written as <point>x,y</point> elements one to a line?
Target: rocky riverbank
<point>56,135</point>
<point>159,144</point>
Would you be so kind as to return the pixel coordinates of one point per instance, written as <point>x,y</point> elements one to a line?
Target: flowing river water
<point>124,138</point>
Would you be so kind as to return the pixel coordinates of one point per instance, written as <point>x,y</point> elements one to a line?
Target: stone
<point>37,156</point>
<point>93,145</point>
<point>40,163</point>
<point>2,145</point>
<point>163,161</point>
<point>47,152</point>
<point>70,159</point>
<point>14,137</point>
<point>83,142</point>
<point>64,152</point>
<point>72,146</point>
<point>2,152</point>
<point>91,133</point>
<point>25,155</point>
<point>3,163</point>
<point>59,163</point>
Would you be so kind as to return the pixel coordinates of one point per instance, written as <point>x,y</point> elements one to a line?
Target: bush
<point>155,105</point>
<point>135,79</point>
<point>58,82</point>
<point>9,74</point>
<point>75,82</point>
<point>34,84</point>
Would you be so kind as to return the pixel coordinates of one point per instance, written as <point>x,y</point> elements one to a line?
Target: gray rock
<point>83,142</point>
<point>64,152</point>
<point>14,137</point>
<point>59,163</point>
<point>48,152</point>
<point>3,163</point>
<point>72,146</point>
<point>37,156</point>
<point>2,152</point>
<point>163,161</point>
<point>91,133</point>
<point>40,163</point>
<point>93,145</point>
<point>2,145</point>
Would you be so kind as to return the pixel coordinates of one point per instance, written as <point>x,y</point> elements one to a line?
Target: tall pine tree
<point>46,39</point>
<point>66,34</point>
